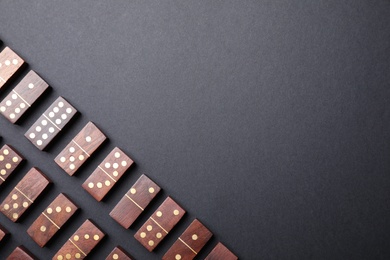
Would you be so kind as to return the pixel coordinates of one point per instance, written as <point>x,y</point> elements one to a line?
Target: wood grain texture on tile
<point>10,63</point>
<point>118,254</point>
<point>103,179</point>
<point>23,96</point>
<point>221,252</point>
<point>188,245</point>
<point>133,203</point>
<point>163,220</point>
<point>81,243</point>
<point>10,159</point>
<point>52,219</point>
<point>86,142</point>
<point>24,194</point>
<point>50,123</point>
<point>21,253</point>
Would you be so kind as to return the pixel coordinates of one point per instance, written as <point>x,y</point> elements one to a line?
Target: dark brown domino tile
<point>21,253</point>
<point>10,62</point>
<point>52,219</point>
<point>50,123</point>
<point>24,194</point>
<point>135,201</point>
<point>3,233</point>
<point>159,224</point>
<point>80,148</point>
<point>220,252</point>
<point>103,179</point>
<point>9,161</point>
<point>81,243</point>
<point>118,254</point>
<point>188,245</point>
<point>23,96</point>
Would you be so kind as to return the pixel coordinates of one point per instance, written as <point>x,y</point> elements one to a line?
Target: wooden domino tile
<point>221,252</point>
<point>101,181</point>
<point>81,243</point>
<point>10,63</point>
<point>135,201</point>
<point>23,96</point>
<point>3,233</point>
<point>50,123</point>
<point>52,219</point>
<point>159,224</point>
<point>188,245</point>
<point>118,254</point>
<point>21,253</point>
<point>9,161</point>
<point>80,148</point>
<point>24,194</point>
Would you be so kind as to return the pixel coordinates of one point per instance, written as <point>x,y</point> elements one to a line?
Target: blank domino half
<point>23,96</point>
<point>188,245</point>
<point>50,123</point>
<point>135,201</point>
<point>101,181</point>
<point>3,233</point>
<point>9,161</point>
<point>24,194</point>
<point>80,148</point>
<point>221,252</point>
<point>118,254</point>
<point>159,224</point>
<point>21,253</point>
<point>52,219</point>
<point>81,243</point>
<point>10,63</point>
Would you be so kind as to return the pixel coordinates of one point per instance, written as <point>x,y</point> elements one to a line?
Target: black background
<point>267,120</point>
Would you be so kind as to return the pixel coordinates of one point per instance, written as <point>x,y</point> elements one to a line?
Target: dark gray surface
<point>267,120</point>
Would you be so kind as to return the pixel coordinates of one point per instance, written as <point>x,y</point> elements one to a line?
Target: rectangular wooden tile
<point>24,194</point>
<point>52,219</point>
<point>3,233</point>
<point>80,148</point>
<point>10,63</point>
<point>135,201</point>
<point>221,252</point>
<point>23,96</point>
<point>159,224</point>
<point>188,245</point>
<point>10,159</point>
<point>81,243</point>
<point>21,253</point>
<point>118,253</point>
<point>50,123</point>
<point>103,179</point>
